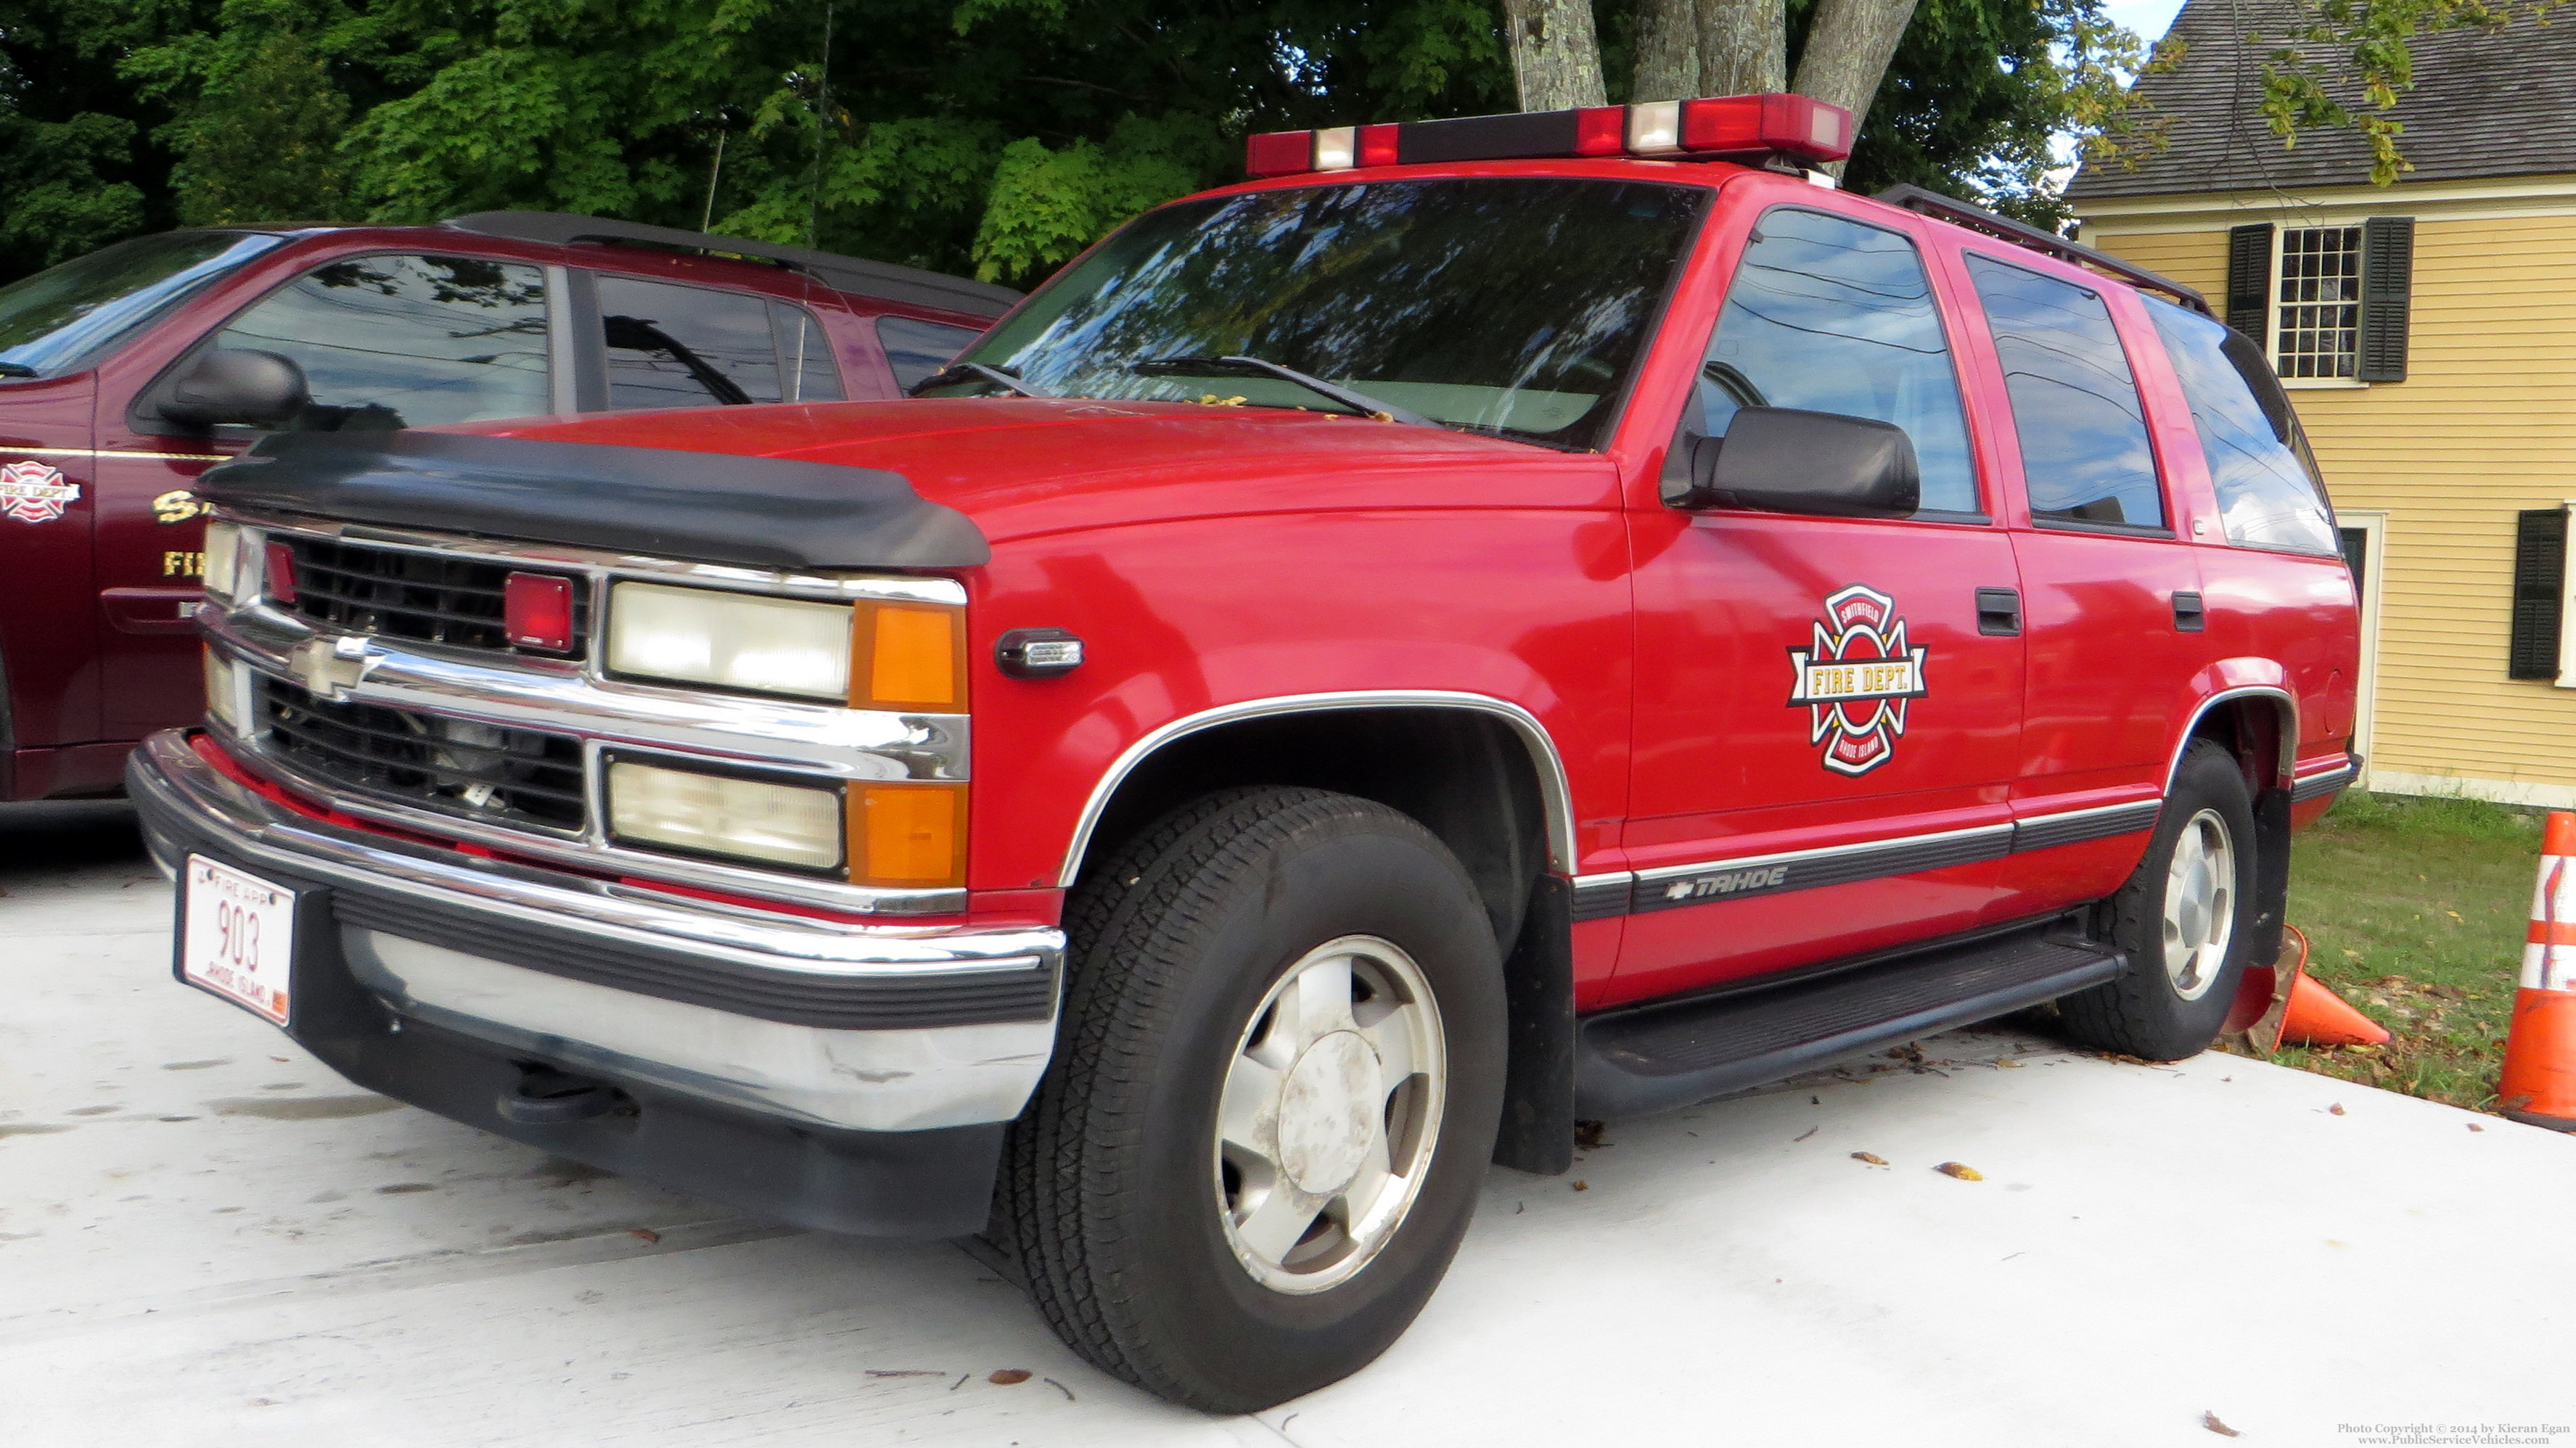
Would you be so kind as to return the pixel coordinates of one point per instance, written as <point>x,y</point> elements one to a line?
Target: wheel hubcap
<point>2200,905</point>
<point>1329,1114</point>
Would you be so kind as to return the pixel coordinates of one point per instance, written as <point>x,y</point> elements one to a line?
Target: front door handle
<point>1998,611</point>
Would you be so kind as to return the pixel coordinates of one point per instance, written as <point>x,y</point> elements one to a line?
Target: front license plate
<point>237,936</point>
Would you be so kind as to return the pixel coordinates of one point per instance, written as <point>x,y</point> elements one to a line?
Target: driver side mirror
<point>1785,460</point>
<point>236,385</point>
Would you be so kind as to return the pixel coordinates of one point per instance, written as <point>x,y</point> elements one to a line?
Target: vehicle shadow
<point>55,838</point>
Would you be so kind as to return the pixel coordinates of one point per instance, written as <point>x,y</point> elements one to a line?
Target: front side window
<point>678,346</point>
<point>407,341</point>
<point>1829,315</point>
<point>2085,457</point>
<point>2317,302</point>
<point>66,317</point>
<point>2267,488</point>
<point>916,349</point>
<point>1515,307</point>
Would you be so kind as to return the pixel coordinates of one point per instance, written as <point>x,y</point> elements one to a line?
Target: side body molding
<point>1555,795</point>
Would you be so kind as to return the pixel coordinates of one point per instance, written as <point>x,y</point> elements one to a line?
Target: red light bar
<point>536,612</point>
<point>1798,127</point>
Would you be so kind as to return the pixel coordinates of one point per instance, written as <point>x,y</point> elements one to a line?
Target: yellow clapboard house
<point>2428,333</point>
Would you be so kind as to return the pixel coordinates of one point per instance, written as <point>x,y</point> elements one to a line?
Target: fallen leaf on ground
<point>1582,1186</point>
<point>2210,1421</point>
<point>2473,1126</point>
<point>1867,1157</point>
<point>644,1234</point>
<point>2336,1109</point>
<point>1008,1376</point>
<point>1963,1173</point>
<point>1803,1135</point>
<point>1587,1134</point>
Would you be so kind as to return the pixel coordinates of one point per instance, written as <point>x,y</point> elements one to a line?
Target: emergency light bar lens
<point>1799,127</point>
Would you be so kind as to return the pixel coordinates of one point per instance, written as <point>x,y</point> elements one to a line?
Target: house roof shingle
<point>2484,104</point>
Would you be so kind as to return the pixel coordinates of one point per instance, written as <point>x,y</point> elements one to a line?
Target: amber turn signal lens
<point>907,836</point>
<point>908,656</point>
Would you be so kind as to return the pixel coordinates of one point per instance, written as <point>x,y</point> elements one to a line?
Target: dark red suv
<point>127,372</point>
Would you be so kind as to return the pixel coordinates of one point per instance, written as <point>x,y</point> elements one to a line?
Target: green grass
<point>2416,910</point>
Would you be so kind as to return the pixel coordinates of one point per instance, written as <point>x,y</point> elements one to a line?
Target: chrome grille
<point>454,766</point>
<point>357,588</point>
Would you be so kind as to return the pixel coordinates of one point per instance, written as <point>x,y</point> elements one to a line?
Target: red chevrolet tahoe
<point>1491,623</point>
<point>125,373</point>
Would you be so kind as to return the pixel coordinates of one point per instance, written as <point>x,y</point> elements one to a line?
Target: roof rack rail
<point>2022,233</point>
<point>882,280</point>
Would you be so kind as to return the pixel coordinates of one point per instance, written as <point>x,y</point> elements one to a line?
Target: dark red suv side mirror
<point>1786,460</point>
<point>236,385</point>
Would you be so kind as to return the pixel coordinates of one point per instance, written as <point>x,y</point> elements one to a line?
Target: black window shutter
<point>2387,295</point>
<point>2539,581</point>
<point>2249,281</point>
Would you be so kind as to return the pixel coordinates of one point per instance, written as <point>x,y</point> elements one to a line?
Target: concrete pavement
<point>208,1238</point>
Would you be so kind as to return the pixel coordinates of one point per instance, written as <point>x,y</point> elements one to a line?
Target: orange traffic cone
<point>2538,1084</point>
<point>2318,1017</point>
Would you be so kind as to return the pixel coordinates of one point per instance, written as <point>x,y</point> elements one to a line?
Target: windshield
<point>61,319</point>
<point>1509,306</point>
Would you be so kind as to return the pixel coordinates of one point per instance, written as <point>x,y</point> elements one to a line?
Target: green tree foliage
<point>78,165</point>
<point>997,137</point>
<point>2344,64</point>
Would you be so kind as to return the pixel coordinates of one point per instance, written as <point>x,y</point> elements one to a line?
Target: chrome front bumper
<point>851,1027</point>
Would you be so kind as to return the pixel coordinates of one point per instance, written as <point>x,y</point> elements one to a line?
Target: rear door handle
<point>1998,611</point>
<point>2189,617</point>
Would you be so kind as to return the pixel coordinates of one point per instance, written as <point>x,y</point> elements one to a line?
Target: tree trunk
<point>1667,66</point>
<point>1848,48</point>
<point>1556,59</point>
<point>1744,46</point>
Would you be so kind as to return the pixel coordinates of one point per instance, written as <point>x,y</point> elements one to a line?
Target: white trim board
<point>2500,791</point>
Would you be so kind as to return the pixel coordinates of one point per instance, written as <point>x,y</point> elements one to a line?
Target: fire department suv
<point>1489,623</point>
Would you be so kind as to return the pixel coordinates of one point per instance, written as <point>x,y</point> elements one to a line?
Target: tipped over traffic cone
<point>2318,1017</point>
<point>2538,1084</point>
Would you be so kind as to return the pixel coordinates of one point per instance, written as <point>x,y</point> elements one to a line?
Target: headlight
<point>223,692</point>
<point>223,560</point>
<point>788,824</point>
<point>731,640</point>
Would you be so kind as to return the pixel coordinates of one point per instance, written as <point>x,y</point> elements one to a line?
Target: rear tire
<point>2183,920</point>
<point>1274,1093</point>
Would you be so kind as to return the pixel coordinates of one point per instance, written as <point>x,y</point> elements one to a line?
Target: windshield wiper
<point>956,372</point>
<point>16,369</point>
<point>1359,402</point>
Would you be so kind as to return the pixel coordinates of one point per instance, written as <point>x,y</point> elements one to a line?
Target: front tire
<point>1273,1097</point>
<point>2183,919</point>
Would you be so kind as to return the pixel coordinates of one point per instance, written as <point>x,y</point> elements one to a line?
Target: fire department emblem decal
<point>31,492</point>
<point>1856,679</point>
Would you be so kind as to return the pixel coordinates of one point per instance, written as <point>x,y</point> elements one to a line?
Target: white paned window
<point>2316,312</point>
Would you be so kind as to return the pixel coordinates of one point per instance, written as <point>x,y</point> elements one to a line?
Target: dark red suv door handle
<point>1998,611</point>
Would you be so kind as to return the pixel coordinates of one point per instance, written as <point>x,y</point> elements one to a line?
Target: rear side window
<point>407,341</point>
<point>678,346</point>
<point>2267,491</point>
<point>1833,316</point>
<point>2084,449</point>
<point>916,349</point>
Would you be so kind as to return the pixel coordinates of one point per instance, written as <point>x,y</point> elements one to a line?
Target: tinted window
<point>1832,316</point>
<point>62,318</point>
<point>2267,497</point>
<point>917,348</point>
<point>2084,450</point>
<point>1514,306</point>
<point>686,346</point>
<point>804,354</point>
<point>405,341</point>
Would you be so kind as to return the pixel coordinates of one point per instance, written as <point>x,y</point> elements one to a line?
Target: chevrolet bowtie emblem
<point>329,668</point>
